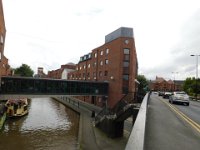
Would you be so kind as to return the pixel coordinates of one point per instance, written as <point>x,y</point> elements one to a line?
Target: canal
<point>48,126</point>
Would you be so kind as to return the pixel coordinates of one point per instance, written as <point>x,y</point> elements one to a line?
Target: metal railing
<point>112,113</point>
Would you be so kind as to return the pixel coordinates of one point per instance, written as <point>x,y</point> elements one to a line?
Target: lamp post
<point>174,79</point>
<point>196,72</point>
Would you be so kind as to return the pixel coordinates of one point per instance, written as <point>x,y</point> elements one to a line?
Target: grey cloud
<point>189,44</point>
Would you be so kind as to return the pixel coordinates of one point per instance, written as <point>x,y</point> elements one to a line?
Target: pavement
<point>90,137</point>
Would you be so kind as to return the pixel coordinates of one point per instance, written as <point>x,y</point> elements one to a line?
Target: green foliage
<point>143,86</point>
<point>24,71</point>
<point>191,86</point>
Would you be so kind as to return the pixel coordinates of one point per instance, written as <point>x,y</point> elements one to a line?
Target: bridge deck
<point>166,130</point>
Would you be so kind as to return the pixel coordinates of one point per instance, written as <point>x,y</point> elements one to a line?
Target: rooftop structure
<point>121,32</point>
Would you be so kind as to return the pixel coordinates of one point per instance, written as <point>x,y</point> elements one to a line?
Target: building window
<point>106,61</point>
<point>106,73</point>
<point>95,64</point>
<point>95,55</point>
<point>125,77</point>
<point>88,65</point>
<point>89,55</point>
<point>102,52</point>
<point>83,66</point>
<point>100,73</point>
<point>94,74</point>
<point>126,51</point>
<point>126,57</point>
<point>107,51</point>
<point>80,68</point>
<point>101,63</point>
<point>126,64</point>
<point>81,58</point>
<point>125,90</point>
<point>125,70</point>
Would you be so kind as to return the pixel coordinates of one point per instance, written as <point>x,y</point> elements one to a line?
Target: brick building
<point>62,72</point>
<point>40,73</point>
<point>160,84</point>
<point>114,62</point>
<point>4,66</point>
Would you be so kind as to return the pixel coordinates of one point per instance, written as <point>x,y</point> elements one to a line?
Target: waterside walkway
<point>90,137</point>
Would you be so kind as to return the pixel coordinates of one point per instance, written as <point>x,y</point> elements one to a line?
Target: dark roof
<point>180,82</point>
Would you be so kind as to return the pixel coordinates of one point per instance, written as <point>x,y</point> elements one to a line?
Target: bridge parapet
<point>137,136</point>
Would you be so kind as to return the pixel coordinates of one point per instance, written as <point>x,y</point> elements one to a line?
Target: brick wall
<point>4,66</point>
<point>106,63</point>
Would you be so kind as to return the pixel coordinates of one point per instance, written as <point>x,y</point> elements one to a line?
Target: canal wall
<point>90,137</point>
<point>2,115</point>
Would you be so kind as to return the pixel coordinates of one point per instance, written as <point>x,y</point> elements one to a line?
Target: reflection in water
<point>48,126</point>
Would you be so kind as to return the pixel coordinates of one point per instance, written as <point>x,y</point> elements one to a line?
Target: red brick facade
<point>160,84</point>
<point>4,67</point>
<point>114,62</point>
<point>57,74</point>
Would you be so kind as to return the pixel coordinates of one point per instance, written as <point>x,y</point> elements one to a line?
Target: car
<point>179,97</point>
<point>167,94</point>
<point>160,93</point>
<point>155,92</point>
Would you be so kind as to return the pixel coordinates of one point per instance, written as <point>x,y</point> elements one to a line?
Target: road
<point>172,126</point>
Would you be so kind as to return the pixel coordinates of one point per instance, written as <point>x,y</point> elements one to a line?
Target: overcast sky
<point>49,33</point>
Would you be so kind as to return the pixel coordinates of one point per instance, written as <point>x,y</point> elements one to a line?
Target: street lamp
<point>174,79</point>
<point>196,72</point>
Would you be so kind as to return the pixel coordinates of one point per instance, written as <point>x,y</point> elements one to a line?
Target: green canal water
<point>48,126</point>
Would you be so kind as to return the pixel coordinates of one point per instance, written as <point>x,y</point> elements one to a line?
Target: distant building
<point>62,73</point>
<point>40,73</point>
<point>160,84</point>
<point>66,69</point>
<point>114,62</point>
<point>4,66</point>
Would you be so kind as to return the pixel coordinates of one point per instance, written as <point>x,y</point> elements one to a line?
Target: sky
<point>49,33</point>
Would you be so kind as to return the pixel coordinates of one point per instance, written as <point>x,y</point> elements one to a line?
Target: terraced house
<point>160,84</point>
<point>115,62</point>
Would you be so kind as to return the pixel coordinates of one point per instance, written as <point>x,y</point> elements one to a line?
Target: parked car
<point>167,94</point>
<point>160,93</point>
<point>179,97</point>
<point>155,92</point>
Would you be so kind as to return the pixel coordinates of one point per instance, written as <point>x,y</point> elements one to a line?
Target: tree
<point>143,86</point>
<point>24,71</point>
<point>191,86</point>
